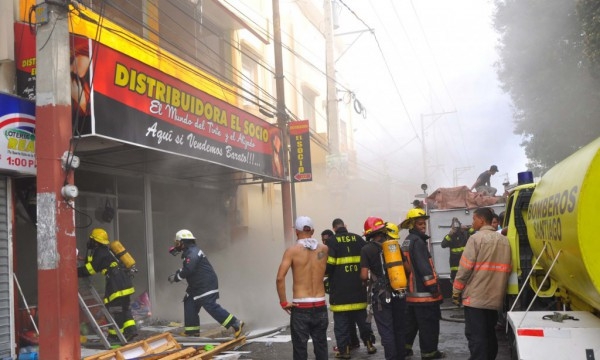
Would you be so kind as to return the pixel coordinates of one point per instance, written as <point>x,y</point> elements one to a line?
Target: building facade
<point>174,121</point>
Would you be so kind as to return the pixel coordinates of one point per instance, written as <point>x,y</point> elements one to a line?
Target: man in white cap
<point>308,309</point>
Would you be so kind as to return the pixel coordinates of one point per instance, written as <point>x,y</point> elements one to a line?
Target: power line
<point>387,68</point>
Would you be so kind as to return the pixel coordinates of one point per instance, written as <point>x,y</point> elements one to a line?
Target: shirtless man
<point>308,260</point>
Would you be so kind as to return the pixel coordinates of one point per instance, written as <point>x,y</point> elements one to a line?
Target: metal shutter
<point>6,309</point>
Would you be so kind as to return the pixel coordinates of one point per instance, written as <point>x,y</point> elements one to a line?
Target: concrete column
<point>57,274</point>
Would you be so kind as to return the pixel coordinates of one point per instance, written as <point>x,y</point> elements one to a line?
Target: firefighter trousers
<point>344,326</point>
<point>423,319</point>
<point>390,319</point>
<point>120,310</point>
<point>191,310</point>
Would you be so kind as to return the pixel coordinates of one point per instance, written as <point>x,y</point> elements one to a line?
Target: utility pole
<point>282,120</point>
<point>56,249</point>
<point>332,102</point>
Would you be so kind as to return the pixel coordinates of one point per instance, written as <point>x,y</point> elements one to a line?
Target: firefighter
<point>119,287</point>
<point>347,293</point>
<point>388,306</point>
<point>424,296</point>
<point>456,240</point>
<point>203,287</point>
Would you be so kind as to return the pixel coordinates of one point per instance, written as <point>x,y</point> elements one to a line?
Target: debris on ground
<point>165,347</point>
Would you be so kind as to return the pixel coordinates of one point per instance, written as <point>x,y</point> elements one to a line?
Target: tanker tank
<point>564,215</point>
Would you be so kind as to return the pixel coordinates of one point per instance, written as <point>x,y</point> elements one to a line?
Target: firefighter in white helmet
<point>203,287</point>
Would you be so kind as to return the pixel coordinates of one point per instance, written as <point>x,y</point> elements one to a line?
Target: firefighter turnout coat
<point>456,241</point>
<point>118,281</point>
<point>423,285</point>
<point>346,289</point>
<point>484,269</point>
<point>201,277</point>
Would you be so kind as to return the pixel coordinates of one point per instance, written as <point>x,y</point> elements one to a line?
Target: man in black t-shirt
<point>482,184</point>
<point>389,306</point>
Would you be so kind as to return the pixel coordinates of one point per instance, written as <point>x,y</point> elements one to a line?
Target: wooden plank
<point>153,344</point>
<point>203,354</point>
<point>180,354</point>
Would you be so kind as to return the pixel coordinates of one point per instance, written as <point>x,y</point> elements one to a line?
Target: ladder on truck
<point>91,303</point>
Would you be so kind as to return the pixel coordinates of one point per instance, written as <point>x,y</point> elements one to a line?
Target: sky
<point>427,66</point>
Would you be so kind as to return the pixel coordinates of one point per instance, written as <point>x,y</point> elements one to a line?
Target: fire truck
<point>554,232</point>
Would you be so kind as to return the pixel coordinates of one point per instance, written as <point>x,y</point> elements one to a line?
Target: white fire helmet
<point>184,235</point>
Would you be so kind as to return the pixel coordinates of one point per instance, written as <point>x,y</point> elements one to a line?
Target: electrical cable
<point>387,68</point>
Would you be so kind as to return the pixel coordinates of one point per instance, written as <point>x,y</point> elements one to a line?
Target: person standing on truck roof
<point>456,240</point>
<point>482,184</point>
<point>424,296</point>
<point>308,260</point>
<point>347,293</point>
<point>481,284</point>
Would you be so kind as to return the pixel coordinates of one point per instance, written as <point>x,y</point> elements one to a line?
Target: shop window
<point>187,33</point>
<point>250,78</point>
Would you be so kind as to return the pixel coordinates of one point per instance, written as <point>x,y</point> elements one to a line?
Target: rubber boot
<point>370,344</point>
<point>343,354</point>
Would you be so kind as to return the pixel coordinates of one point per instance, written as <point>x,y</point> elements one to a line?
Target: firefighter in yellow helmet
<point>118,288</point>
<point>423,296</point>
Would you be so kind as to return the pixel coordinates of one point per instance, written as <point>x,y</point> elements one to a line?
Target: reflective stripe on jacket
<point>118,282</point>
<point>484,269</point>
<point>346,289</point>
<point>422,277</point>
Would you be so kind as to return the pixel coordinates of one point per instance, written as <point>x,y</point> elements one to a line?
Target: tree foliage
<point>547,66</point>
<point>589,13</point>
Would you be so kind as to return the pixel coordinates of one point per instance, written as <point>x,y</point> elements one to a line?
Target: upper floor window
<point>250,78</point>
<point>309,97</point>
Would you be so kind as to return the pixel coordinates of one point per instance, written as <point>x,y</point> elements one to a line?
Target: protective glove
<point>456,299</point>
<point>171,278</point>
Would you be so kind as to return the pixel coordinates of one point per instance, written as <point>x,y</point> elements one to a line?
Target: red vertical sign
<point>300,166</point>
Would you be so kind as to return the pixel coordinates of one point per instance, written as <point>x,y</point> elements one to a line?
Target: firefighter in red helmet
<point>389,306</point>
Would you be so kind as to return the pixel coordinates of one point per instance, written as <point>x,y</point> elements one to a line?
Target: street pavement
<point>277,345</point>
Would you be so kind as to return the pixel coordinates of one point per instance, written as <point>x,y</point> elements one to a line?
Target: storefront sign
<point>135,103</point>
<point>300,166</point>
<point>25,61</point>
<point>121,98</point>
<point>17,134</point>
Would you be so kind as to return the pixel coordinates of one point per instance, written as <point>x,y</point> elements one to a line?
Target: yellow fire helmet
<point>392,230</point>
<point>413,214</point>
<point>99,235</point>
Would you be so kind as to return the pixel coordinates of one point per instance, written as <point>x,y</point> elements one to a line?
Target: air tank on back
<point>564,214</point>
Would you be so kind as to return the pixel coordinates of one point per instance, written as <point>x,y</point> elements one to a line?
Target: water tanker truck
<point>554,231</point>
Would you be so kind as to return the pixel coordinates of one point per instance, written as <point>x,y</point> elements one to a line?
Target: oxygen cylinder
<point>392,255</point>
<point>122,254</point>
